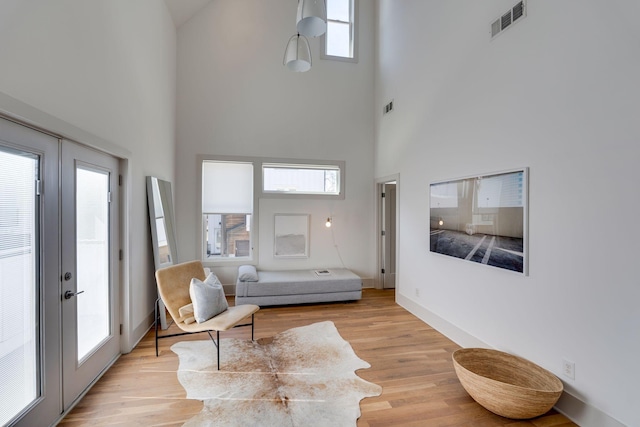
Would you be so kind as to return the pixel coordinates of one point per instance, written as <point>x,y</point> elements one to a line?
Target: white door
<point>389,235</point>
<point>29,277</point>
<point>89,292</point>
<point>58,236</point>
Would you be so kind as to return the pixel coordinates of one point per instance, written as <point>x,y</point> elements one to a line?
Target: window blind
<point>227,187</point>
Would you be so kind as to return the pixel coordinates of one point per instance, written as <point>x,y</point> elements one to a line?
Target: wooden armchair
<point>173,286</point>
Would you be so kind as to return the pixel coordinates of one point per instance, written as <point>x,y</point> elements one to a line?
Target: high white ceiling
<point>182,10</point>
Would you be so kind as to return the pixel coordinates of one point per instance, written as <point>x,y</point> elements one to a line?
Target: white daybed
<point>296,286</point>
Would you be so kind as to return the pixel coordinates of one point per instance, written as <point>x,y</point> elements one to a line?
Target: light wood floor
<point>409,359</point>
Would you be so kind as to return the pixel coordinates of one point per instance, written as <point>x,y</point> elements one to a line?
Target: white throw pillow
<point>247,273</point>
<point>207,298</point>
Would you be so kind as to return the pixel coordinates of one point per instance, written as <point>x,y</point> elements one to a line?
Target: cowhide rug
<point>302,377</point>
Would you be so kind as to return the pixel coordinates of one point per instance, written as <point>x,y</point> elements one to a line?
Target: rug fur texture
<point>301,377</point>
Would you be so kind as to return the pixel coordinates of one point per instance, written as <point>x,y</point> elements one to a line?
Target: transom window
<point>339,41</point>
<point>301,179</point>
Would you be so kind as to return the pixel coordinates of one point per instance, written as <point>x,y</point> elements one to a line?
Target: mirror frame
<point>161,200</point>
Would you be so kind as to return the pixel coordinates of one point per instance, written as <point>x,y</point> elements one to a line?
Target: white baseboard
<point>572,407</point>
<point>139,332</point>
<point>229,290</point>
<point>455,334</point>
<point>367,283</point>
<point>584,414</point>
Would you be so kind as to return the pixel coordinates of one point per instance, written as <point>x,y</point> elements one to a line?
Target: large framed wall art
<point>482,219</point>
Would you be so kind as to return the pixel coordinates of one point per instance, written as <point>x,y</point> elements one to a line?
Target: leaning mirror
<point>161,221</point>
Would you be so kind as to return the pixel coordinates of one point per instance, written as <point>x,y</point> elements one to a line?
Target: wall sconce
<point>328,223</point>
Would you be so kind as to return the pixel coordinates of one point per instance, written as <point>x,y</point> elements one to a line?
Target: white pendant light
<point>312,18</point>
<point>297,55</point>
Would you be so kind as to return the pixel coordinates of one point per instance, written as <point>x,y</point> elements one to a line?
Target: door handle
<point>70,294</point>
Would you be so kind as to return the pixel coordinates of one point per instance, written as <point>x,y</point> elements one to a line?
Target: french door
<point>29,264</point>
<point>90,324</point>
<point>58,236</point>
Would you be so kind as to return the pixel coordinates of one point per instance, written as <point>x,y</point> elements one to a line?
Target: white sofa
<point>284,287</point>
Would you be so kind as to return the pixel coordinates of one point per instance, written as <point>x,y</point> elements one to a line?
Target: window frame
<point>253,225</point>
<point>258,194</point>
<point>309,164</point>
<point>354,37</point>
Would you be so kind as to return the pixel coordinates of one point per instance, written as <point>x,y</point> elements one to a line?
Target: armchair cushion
<point>186,314</point>
<point>207,297</point>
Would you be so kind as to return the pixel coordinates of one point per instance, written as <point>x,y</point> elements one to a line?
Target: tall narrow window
<point>227,209</point>
<point>19,299</point>
<point>339,41</point>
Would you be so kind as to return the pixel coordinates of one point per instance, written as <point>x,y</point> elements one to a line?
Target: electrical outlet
<point>417,292</point>
<point>569,369</point>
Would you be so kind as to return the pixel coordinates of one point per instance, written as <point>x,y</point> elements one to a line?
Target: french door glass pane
<point>19,373</point>
<point>92,259</point>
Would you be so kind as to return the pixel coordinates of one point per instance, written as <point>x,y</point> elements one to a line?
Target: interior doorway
<point>387,195</point>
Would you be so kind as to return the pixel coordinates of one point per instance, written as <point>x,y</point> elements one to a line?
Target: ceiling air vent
<point>510,17</point>
<point>518,11</point>
<point>505,21</point>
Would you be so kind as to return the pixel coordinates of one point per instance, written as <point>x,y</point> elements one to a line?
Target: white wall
<point>236,98</point>
<point>558,92</point>
<point>104,74</point>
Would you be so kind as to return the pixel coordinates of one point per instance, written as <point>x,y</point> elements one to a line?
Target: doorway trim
<point>379,184</point>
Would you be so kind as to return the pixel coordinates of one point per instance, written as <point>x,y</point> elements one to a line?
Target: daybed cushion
<point>207,297</point>
<point>300,282</point>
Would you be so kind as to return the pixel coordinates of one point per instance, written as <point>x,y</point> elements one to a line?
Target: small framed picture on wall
<point>291,236</point>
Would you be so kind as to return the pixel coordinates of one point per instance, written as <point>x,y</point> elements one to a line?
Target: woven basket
<point>507,385</point>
